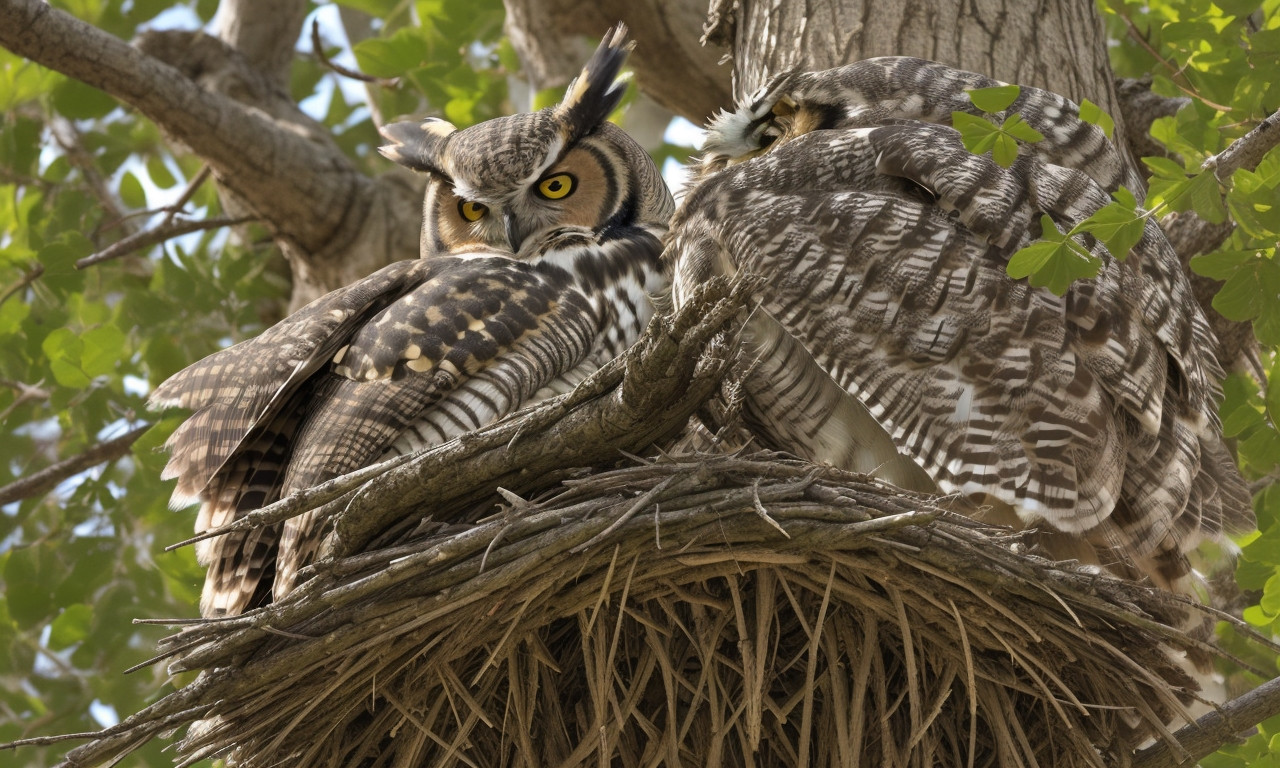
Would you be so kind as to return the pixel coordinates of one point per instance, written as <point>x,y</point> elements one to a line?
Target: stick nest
<point>711,610</point>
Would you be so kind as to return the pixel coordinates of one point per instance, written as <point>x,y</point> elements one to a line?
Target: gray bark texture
<point>333,223</point>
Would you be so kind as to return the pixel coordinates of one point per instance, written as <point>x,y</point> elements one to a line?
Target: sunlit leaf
<point>1092,113</point>
<point>1118,225</point>
<point>994,99</point>
<point>1016,127</point>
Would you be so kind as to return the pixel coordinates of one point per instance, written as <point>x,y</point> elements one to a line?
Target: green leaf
<point>78,101</point>
<point>379,9</point>
<point>1118,225</point>
<point>1221,264</point>
<point>131,191</point>
<point>1092,113</point>
<point>1261,450</point>
<point>1164,168</point>
<point>392,56</point>
<point>160,174</point>
<point>103,347</point>
<point>1031,259</point>
<point>1238,8</point>
<point>995,99</point>
<point>1005,151</point>
<point>1256,616</point>
<point>1018,128</point>
<point>977,133</point>
<point>1254,203</point>
<point>1206,197</point>
<point>29,574</point>
<point>1053,262</point>
<point>1239,298</point>
<point>1250,292</point>
<point>1273,393</point>
<point>71,626</point>
<point>12,313</point>
<point>62,347</point>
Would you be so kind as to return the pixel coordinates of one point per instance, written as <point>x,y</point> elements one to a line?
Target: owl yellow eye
<point>472,211</point>
<point>556,187</point>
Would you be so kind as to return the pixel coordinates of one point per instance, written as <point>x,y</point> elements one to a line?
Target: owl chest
<point>552,360</point>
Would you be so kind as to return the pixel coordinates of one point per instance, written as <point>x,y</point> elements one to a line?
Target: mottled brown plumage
<point>540,245</point>
<point>889,338</point>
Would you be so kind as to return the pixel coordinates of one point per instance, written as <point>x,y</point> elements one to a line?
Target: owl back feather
<point>884,243</point>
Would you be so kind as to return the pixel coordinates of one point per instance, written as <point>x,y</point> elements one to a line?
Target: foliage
<point>1224,56</point>
<point>79,349</point>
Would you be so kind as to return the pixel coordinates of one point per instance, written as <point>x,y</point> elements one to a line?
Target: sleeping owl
<point>889,339</point>
<point>540,254</point>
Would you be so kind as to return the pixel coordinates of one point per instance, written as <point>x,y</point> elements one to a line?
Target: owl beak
<point>515,234</point>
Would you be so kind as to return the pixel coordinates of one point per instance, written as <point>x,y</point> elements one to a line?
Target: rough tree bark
<point>229,105</point>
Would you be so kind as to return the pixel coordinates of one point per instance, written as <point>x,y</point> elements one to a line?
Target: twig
<point>26,393</point>
<point>28,277</point>
<point>193,186</point>
<point>298,502</point>
<point>1215,729</point>
<point>317,46</point>
<point>69,139</point>
<point>1174,73</point>
<point>1248,150</point>
<point>174,208</point>
<point>166,231</point>
<point>40,482</point>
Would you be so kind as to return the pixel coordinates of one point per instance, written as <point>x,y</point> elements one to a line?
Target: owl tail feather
<point>597,90</point>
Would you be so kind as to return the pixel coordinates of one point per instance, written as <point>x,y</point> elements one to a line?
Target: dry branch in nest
<point>687,610</point>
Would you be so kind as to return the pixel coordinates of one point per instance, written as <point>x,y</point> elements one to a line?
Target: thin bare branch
<point>165,231</point>
<point>28,277</point>
<point>69,140</point>
<point>1176,77</point>
<point>46,479</point>
<point>26,393</point>
<point>317,47</point>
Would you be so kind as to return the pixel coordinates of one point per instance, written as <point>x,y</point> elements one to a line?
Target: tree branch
<point>46,479</point>
<point>317,48</point>
<point>266,152</point>
<point>166,231</point>
<point>264,33</point>
<point>1248,150</point>
<point>1215,729</point>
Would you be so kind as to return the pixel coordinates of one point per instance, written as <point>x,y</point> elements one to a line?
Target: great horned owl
<point>540,252</point>
<point>889,339</point>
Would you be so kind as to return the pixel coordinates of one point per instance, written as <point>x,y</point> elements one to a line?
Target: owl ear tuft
<point>595,92</point>
<point>418,145</point>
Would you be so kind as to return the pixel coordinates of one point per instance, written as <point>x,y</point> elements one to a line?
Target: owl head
<point>510,182</point>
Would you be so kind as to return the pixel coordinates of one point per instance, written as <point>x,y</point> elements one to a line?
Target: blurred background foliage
<point>81,348</point>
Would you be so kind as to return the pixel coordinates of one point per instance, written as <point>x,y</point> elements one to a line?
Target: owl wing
<point>885,251</point>
<point>447,342</point>
<point>231,391</point>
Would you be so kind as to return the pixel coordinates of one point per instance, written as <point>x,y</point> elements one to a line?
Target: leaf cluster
<point>81,348</point>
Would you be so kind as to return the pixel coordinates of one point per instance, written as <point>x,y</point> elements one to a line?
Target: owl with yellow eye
<point>540,251</point>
